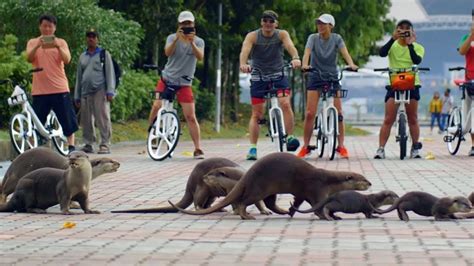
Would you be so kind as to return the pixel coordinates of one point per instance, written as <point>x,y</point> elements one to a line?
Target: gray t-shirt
<point>324,55</point>
<point>267,53</point>
<point>182,62</point>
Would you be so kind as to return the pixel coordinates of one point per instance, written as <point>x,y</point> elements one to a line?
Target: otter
<point>46,187</point>
<point>350,201</point>
<point>425,204</point>
<point>209,179</point>
<point>278,173</point>
<point>469,215</point>
<point>42,157</point>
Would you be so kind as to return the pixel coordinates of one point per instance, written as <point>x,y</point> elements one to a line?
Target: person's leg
<point>87,122</point>
<point>412,116</point>
<point>389,119</point>
<point>288,114</point>
<point>432,122</point>
<point>102,118</point>
<point>312,101</point>
<point>340,138</point>
<point>154,111</point>
<point>62,107</point>
<point>258,111</point>
<point>194,130</point>
<point>438,120</point>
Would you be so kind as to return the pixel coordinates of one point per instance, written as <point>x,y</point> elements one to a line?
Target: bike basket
<point>402,81</point>
<point>339,93</point>
<point>17,99</point>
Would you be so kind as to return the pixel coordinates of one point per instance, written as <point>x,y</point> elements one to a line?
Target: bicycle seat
<point>459,82</point>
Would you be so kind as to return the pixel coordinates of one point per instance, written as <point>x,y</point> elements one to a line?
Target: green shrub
<point>205,102</point>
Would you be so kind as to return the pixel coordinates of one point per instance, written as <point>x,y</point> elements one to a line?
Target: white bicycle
<point>164,134</point>
<point>25,126</point>
<point>326,126</point>
<point>461,120</point>
<point>275,123</point>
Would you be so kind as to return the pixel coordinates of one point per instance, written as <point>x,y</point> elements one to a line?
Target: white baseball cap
<point>185,16</point>
<point>327,18</point>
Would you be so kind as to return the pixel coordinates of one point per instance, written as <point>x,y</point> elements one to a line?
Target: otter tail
<point>391,208</point>
<point>313,208</point>
<point>229,199</point>
<point>183,203</point>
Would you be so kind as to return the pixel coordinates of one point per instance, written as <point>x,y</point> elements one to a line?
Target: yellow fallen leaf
<point>187,153</point>
<point>69,225</point>
<point>430,156</point>
<point>428,139</point>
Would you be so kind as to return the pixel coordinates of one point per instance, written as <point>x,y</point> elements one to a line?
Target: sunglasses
<point>266,20</point>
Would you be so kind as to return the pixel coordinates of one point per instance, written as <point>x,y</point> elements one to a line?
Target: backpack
<point>117,69</point>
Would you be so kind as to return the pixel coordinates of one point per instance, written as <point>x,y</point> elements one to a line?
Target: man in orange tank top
<point>50,87</point>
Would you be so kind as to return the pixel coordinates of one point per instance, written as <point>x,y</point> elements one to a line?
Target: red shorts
<point>258,100</point>
<point>184,94</point>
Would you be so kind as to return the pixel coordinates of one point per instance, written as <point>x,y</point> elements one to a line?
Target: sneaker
<point>305,151</point>
<point>71,148</point>
<point>103,149</point>
<point>343,152</point>
<point>380,154</point>
<point>415,150</point>
<point>198,154</point>
<point>471,153</point>
<point>252,155</point>
<point>88,148</point>
<point>292,144</point>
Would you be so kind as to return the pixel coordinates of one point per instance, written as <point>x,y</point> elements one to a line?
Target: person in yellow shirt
<point>435,109</point>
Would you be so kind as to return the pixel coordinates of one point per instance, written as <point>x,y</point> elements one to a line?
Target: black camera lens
<point>188,30</point>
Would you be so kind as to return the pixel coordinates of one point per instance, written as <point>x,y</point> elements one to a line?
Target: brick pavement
<point>177,239</point>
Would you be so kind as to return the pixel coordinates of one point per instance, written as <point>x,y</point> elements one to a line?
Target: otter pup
<point>350,201</point>
<point>46,187</point>
<point>279,173</point>
<point>425,204</point>
<point>42,157</point>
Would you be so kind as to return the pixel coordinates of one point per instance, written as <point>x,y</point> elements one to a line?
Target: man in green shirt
<point>402,52</point>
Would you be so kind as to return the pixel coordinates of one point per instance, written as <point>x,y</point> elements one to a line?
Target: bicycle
<point>275,123</point>
<point>326,126</point>
<point>402,82</point>
<point>164,134</point>
<point>25,126</point>
<point>461,121</point>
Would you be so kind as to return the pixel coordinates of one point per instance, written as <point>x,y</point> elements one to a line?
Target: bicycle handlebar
<point>456,68</point>
<point>314,70</point>
<point>262,76</point>
<point>150,66</point>
<point>392,70</point>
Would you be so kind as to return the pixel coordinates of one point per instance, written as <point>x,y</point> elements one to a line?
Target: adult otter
<point>425,204</point>
<point>350,201</point>
<point>279,173</point>
<point>43,157</point>
<point>469,215</point>
<point>46,187</point>
<point>201,193</point>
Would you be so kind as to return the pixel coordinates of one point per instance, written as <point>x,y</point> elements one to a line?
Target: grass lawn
<point>136,130</point>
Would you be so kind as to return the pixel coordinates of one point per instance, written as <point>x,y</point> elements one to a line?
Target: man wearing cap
<point>95,89</point>
<point>183,49</point>
<point>402,52</point>
<point>265,46</point>
<point>323,48</point>
<point>50,88</point>
<point>466,48</point>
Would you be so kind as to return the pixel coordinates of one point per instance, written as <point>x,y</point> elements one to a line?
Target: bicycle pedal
<point>311,147</point>
<point>448,139</point>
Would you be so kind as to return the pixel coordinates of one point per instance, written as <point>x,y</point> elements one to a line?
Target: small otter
<point>279,173</point>
<point>42,157</point>
<point>469,215</point>
<point>350,201</point>
<point>46,187</point>
<point>425,204</point>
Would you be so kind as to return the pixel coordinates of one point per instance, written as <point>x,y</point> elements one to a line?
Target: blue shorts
<point>259,88</point>
<point>316,84</point>
<point>61,104</point>
<point>414,94</point>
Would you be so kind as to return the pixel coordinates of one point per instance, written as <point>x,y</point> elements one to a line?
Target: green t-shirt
<point>399,57</point>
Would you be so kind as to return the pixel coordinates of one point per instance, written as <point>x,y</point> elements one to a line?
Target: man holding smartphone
<point>183,49</point>
<point>50,88</point>
<point>466,48</point>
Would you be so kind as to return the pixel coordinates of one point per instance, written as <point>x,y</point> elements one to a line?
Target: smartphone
<point>188,30</point>
<point>48,39</point>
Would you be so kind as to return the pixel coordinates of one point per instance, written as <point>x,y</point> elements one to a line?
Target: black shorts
<point>61,104</point>
<point>414,94</point>
<point>313,85</point>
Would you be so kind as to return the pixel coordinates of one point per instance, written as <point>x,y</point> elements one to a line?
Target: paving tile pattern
<point>218,238</point>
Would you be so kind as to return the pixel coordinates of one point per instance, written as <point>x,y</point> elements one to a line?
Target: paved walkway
<point>178,239</point>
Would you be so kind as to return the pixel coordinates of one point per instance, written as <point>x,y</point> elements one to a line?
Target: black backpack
<point>117,70</point>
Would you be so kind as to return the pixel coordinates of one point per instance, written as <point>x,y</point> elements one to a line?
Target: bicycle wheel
<point>454,136</point>
<point>278,128</point>
<point>19,125</point>
<point>56,131</point>
<point>163,136</point>
<point>402,136</point>
<point>320,138</point>
<point>332,133</point>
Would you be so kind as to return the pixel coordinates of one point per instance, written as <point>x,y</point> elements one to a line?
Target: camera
<point>188,30</point>
<point>405,34</point>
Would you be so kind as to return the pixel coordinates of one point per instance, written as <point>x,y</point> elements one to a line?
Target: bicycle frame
<point>274,105</point>
<point>467,117</point>
<point>401,98</point>
<point>327,104</point>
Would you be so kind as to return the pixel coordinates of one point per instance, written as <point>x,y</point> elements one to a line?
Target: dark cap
<point>405,21</point>
<point>270,14</point>
<point>92,31</point>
